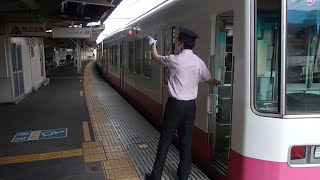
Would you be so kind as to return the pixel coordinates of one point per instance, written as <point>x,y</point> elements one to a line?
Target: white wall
<point>31,64</point>
<point>5,79</point>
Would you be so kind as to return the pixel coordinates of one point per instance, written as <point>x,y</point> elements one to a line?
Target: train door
<point>18,82</point>
<point>106,59</point>
<point>223,65</point>
<point>121,66</point>
<point>168,44</point>
<point>102,59</point>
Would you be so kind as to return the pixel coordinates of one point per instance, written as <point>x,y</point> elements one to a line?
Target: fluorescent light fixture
<point>127,13</point>
<point>93,2</point>
<point>94,24</point>
<point>49,31</point>
<point>151,11</point>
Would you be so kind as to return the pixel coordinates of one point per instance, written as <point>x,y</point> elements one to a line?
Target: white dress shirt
<point>186,71</point>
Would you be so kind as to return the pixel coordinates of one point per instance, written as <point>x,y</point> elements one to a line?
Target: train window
<point>115,60</point>
<point>267,60</point>
<point>138,56</point>
<point>146,58</point>
<point>121,55</point>
<point>110,55</point>
<point>131,56</point>
<point>104,55</point>
<point>302,58</point>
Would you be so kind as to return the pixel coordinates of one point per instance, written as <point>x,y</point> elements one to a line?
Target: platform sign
<point>71,32</point>
<point>27,29</point>
<point>40,135</point>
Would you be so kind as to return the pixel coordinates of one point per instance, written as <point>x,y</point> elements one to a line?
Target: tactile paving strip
<point>133,130</point>
<point>107,148</point>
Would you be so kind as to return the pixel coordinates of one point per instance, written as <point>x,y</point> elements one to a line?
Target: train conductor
<point>186,71</point>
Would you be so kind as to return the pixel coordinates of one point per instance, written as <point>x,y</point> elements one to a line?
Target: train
<point>260,123</point>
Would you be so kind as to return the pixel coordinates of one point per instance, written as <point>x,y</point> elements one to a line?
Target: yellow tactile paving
<point>86,131</point>
<point>95,157</point>
<point>120,173</point>
<point>106,132</point>
<point>116,163</point>
<point>131,178</point>
<point>92,144</point>
<point>26,158</point>
<point>6,160</point>
<point>51,155</point>
<point>40,157</point>
<point>94,150</point>
<point>110,149</point>
<point>117,155</point>
<point>103,129</point>
<point>71,153</point>
<point>111,143</point>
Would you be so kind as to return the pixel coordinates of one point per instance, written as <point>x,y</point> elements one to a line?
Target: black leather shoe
<point>148,176</point>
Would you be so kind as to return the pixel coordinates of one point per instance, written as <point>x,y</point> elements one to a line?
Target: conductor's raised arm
<point>154,52</point>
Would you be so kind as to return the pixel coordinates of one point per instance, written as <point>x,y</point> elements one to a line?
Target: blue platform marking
<point>40,135</point>
<point>21,136</point>
<point>53,133</point>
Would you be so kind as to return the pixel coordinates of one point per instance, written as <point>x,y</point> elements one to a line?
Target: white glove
<point>152,41</point>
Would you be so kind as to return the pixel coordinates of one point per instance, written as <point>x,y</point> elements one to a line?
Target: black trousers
<point>178,115</point>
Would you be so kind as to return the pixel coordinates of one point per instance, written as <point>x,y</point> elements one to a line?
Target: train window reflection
<point>303,54</point>
<point>138,56</point>
<point>131,56</point>
<point>115,60</point>
<point>267,56</point>
<point>111,55</point>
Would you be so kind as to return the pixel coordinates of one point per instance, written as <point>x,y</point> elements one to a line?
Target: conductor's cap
<point>187,33</point>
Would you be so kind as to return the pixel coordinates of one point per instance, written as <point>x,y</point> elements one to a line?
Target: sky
<point>127,11</point>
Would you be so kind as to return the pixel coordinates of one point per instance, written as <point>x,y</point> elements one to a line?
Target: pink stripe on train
<point>245,168</point>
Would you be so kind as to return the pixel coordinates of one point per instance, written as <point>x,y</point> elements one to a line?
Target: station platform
<point>102,135</point>
<point>124,133</point>
<point>42,137</point>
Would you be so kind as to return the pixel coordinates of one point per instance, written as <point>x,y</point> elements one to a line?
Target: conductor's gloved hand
<point>152,41</point>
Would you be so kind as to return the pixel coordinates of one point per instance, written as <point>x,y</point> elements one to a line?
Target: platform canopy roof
<point>59,13</point>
